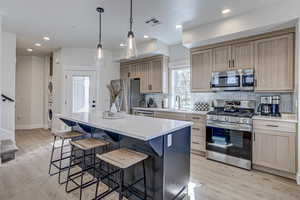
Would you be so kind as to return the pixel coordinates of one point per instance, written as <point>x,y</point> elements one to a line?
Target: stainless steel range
<point>229,132</point>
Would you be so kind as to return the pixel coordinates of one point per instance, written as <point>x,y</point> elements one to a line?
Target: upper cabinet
<point>242,55</point>
<point>124,71</point>
<point>221,58</point>
<point>201,70</point>
<point>271,55</point>
<point>274,63</point>
<point>230,57</point>
<point>153,73</point>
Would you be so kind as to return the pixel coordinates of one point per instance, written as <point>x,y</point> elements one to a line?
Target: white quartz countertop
<point>139,127</point>
<point>171,110</point>
<point>284,118</point>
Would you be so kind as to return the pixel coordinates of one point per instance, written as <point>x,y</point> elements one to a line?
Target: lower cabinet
<point>198,143</point>
<point>274,145</point>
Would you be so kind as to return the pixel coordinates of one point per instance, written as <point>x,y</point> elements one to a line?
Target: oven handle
<point>228,126</point>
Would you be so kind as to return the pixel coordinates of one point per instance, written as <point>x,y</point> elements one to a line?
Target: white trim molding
<point>179,63</point>
<point>298,178</point>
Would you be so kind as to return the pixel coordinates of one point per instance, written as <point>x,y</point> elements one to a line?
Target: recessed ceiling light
<point>178,26</point>
<point>122,45</point>
<point>225,11</point>
<point>37,44</point>
<point>46,38</point>
<point>146,36</point>
<point>29,49</point>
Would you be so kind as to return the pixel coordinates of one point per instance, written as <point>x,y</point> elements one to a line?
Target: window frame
<point>171,92</point>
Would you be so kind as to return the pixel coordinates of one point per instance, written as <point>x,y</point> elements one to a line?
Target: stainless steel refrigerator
<point>130,95</point>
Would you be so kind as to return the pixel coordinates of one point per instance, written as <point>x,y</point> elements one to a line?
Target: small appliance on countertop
<point>269,106</point>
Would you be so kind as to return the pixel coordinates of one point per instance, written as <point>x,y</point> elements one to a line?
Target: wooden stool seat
<point>68,134</point>
<point>122,158</point>
<point>89,143</point>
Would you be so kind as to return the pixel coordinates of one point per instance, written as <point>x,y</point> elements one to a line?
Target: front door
<point>80,91</point>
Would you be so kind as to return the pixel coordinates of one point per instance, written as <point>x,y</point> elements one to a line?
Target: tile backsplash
<point>288,100</point>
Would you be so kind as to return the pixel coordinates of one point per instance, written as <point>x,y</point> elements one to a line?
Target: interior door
<point>80,91</point>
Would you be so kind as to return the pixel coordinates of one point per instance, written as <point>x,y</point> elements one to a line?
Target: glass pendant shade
<point>131,50</point>
<point>99,52</point>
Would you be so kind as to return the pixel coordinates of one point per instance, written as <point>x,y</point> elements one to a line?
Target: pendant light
<point>99,46</point>
<point>131,43</point>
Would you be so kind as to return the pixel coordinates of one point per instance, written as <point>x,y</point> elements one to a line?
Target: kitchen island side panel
<point>177,153</point>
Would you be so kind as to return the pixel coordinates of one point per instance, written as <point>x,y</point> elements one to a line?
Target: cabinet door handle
<point>232,63</point>
<point>128,74</point>
<point>195,142</point>
<point>196,129</point>
<point>254,136</point>
<point>271,125</point>
<point>150,87</point>
<point>229,63</point>
<point>196,118</point>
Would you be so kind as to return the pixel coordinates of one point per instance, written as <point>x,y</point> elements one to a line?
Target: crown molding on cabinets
<point>246,39</point>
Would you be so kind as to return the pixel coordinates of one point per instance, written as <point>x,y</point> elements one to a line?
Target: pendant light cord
<point>131,19</point>
<point>100,29</point>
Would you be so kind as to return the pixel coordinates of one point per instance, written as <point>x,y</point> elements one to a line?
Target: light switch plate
<point>169,140</point>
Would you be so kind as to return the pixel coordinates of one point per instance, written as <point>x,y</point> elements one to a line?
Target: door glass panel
<point>81,93</point>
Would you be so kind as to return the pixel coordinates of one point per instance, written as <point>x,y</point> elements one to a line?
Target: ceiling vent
<point>153,21</point>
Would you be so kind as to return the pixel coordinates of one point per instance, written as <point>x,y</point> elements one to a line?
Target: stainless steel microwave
<point>233,80</point>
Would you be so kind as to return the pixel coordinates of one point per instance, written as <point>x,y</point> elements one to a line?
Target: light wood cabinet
<point>274,147</point>
<point>198,132</point>
<point>152,71</point>
<point>144,77</point>
<point>274,63</point>
<point>271,55</point>
<point>221,58</point>
<point>201,71</point>
<point>242,55</point>
<point>230,57</point>
<point>124,71</point>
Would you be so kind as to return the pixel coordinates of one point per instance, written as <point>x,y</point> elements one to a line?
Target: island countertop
<point>139,127</point>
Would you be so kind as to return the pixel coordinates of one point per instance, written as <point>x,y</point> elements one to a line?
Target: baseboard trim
<point>298,178</point>
<point>275,172</point>
<point>28,127</point>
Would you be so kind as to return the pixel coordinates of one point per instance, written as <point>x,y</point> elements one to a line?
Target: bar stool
<point>122,159</point>
<point>84,145</point>
<point>69,135</point>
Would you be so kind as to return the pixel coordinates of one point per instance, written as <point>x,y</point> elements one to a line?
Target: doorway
<point>80,91</point>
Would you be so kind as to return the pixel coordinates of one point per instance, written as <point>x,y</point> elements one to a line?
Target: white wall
<point>30,92</point>
<point>8,72</point>
<point>80,59</point>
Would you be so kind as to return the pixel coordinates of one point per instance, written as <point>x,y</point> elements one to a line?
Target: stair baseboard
<point>8,150</point>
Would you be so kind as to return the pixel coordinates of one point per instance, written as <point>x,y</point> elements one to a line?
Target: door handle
<point>93,106</point>
<point>229,62</point>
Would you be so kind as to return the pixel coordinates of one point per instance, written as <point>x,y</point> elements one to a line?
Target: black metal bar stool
<point>86,161</point>
<point>122,159</point>
<point>63,136</point>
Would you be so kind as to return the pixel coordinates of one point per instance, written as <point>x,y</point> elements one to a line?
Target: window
<point>180,86</point>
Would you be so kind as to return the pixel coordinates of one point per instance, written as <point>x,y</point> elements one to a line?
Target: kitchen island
<point>167,142</point>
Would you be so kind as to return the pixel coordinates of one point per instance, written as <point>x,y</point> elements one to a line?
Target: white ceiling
<point>74,23</point>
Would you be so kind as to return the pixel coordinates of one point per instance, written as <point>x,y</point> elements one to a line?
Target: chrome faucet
<point>178,102</point>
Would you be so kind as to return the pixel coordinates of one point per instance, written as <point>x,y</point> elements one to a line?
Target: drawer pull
<point>195,142</point>
<point>196,129</point>
<point>197,118</point>
<point>274,126</point>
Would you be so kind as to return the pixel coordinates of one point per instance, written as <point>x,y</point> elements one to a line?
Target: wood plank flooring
<point>27,177</point>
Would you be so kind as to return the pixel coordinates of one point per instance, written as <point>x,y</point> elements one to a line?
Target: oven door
<point>235,143</point>
<point>226,81</point>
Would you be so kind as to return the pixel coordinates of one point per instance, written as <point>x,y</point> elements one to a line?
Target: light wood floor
<point>27,177</point>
